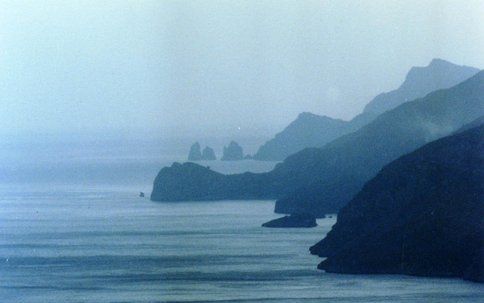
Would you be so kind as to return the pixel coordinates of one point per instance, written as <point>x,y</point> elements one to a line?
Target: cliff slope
<point>423,214</point>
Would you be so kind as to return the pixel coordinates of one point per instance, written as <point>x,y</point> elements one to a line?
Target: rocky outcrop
<point>296,220</point>
<point>233,152</point>
<point>195,154</point>
<point>318,181</point>
<point>310,130</point>
<point>208,154</point>
<point>192,182</point>
<point>423,214</point>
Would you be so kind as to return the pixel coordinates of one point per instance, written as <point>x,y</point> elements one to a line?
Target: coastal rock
<point>233,152</point>
<point>192,182</point>
<point>295,220</point>
<point>421,215</point>
<point>195,154</point>
<point>208,154</point>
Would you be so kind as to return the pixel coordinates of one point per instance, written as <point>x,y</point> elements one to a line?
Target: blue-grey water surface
<point>76,231</point>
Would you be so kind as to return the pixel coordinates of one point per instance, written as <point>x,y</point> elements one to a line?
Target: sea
<point>74,229</point>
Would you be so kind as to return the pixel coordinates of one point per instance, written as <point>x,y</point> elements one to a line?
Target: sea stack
<point>195,154</point>
<point>208,154</point>
<point>233,152</point>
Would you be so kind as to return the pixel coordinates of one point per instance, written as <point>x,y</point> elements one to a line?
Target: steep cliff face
<point>330,176</point>
<point>423,214</point>
<point>310,130</point>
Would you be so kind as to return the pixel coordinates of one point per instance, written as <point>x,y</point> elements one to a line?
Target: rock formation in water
<point>233,152</point>
<point>310,130</point>
<point>322,180</point>
<point>208,154</point>
<point>195,154</point>
<point>295,220</point>
<point>423,214</point>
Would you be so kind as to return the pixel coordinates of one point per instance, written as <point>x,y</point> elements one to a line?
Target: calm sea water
<point>76,231</point>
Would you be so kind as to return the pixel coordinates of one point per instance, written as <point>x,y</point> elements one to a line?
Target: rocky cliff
<point>423,214</point>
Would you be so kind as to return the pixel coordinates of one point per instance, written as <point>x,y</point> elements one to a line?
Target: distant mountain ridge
<point>306,131</point>
<point>422,214</point>
<point>310,130</point>
<point>345,164</point>
<point>421,80</point>
<point>317,181</point>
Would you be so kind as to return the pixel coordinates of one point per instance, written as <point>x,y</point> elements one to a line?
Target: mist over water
<point>97,96</point>
<point>100,162</point>
<point>80,233</point>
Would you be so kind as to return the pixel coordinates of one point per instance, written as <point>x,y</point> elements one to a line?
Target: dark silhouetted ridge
<point>423,214</point>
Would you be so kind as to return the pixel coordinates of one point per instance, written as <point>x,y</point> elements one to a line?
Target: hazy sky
<point>209,67</point>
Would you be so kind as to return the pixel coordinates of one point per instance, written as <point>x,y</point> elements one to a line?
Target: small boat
<point>141,194</point>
